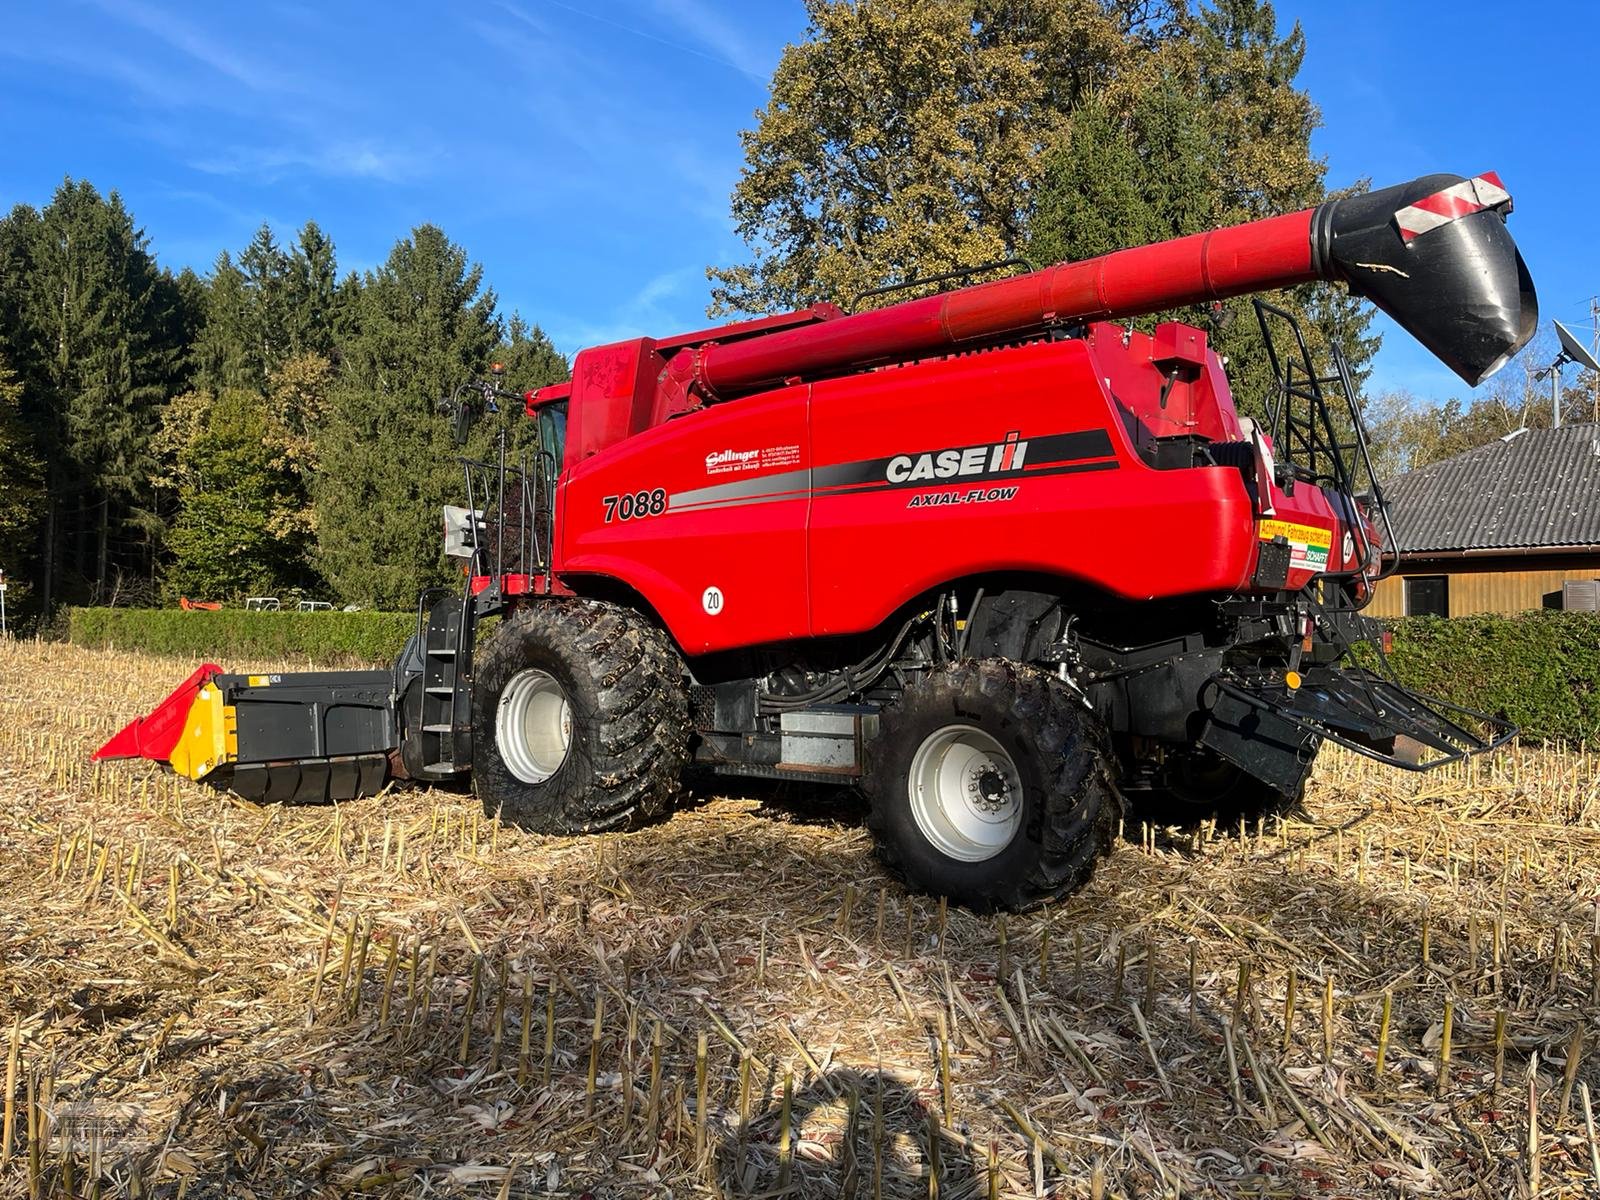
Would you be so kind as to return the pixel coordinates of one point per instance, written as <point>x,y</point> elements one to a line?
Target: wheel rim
<point>965,793</point>
<point>533,725</point>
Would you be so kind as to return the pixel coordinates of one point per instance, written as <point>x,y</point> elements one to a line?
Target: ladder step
<point>440,690</point>
<point>441,652</point>
<point>438,728</point>
<point>441,768</point>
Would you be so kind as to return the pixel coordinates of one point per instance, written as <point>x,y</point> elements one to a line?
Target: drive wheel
<point>581,718</point>
<point>1199,786</point>
<point>989,784</point>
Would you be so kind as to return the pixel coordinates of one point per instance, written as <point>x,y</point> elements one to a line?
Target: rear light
<point>1386,640</point>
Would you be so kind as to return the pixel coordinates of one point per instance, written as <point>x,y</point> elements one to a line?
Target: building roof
<point>1534,489</point>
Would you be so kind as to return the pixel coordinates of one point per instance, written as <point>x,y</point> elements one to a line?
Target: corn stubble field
<point>1392,993</point>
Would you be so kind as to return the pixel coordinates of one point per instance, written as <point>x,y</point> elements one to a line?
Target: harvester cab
<point>997,556</point>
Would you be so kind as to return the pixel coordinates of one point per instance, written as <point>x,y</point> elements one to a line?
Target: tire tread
<point>640,721</point>
<point>1080,806</point>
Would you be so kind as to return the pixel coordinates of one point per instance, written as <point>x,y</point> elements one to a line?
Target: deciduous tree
<point>902,138</point>
<point>236,531</point>
<point>905,139</point>
<point>1220,135</point>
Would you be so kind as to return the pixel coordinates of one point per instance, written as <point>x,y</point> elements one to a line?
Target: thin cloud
<point>578,105</point>
<point>523,15</point>
<point>742,60</point>
<point>194,44</point>
<point>661,307</point>
<point>166,89</point>
<point>718,34</point>
<point>250,218</point>
<point>339,159</point>
<point>663,287</point>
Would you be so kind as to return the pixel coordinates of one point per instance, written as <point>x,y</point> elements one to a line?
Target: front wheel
<point>581,717</point>
<point>988,783</point>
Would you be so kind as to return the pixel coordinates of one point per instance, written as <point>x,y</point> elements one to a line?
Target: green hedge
<point>1539,669</point>
<point>326,637</point>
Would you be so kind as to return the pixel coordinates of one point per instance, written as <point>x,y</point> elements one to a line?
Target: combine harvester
<point>989,554</point>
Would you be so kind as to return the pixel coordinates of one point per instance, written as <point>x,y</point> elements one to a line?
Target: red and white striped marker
<point>1454,202</point>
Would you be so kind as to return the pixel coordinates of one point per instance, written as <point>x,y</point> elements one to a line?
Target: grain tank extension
<point>994,556</point>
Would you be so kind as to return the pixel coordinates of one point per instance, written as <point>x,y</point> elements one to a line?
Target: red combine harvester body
<point>990,555</point>
<point>819,510</point>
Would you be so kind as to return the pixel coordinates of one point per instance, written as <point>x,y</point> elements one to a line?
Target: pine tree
<point>313,287</point>
<point>531,361</point>
<point>20,475</point>
<point>22,339</point>
<point>267,283</point>
<point>183,300</point>
<point>220,358</point>
<point>265,307</point>
<point>93,328</point>
<point>529,357</point>
<point>424,322</point>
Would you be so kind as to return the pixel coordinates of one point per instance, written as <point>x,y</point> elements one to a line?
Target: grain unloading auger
<point>997,561</point>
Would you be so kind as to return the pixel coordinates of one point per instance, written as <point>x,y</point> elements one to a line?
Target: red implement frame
<point>155,736</point>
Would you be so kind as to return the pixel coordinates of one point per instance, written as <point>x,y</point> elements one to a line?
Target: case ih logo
<point>719,461</point>
<point>960,461</point>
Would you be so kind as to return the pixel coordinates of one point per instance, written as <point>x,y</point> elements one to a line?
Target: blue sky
<point>583,152</point>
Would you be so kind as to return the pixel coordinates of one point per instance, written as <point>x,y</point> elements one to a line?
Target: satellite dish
<point>1575,351</point>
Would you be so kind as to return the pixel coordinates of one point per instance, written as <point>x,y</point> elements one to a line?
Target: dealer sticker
<point>1308,544</point>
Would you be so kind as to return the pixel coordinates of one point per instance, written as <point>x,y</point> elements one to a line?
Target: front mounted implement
<point>318,736</point>
<point>305,738</point>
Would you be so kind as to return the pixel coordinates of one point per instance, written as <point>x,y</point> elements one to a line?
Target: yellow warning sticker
<point>1306,535</point>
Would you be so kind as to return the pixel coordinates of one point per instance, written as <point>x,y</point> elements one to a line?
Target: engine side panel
<point>928,491</point>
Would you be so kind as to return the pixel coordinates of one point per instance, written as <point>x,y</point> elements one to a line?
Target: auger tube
<point>1433,253</point>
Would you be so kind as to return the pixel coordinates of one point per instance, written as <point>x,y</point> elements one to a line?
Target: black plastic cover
<point>1461,289</point>
<point>313,714</point>
<point>310,780</point>
<point>1364,712</point>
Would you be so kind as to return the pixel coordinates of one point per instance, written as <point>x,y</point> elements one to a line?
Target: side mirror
<point>458,407</point>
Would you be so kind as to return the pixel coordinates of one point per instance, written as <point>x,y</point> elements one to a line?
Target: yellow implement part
<point>209,739</point>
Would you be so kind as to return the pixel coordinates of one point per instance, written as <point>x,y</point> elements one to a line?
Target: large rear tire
<point>989,784</point>
<point>580,718</point>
